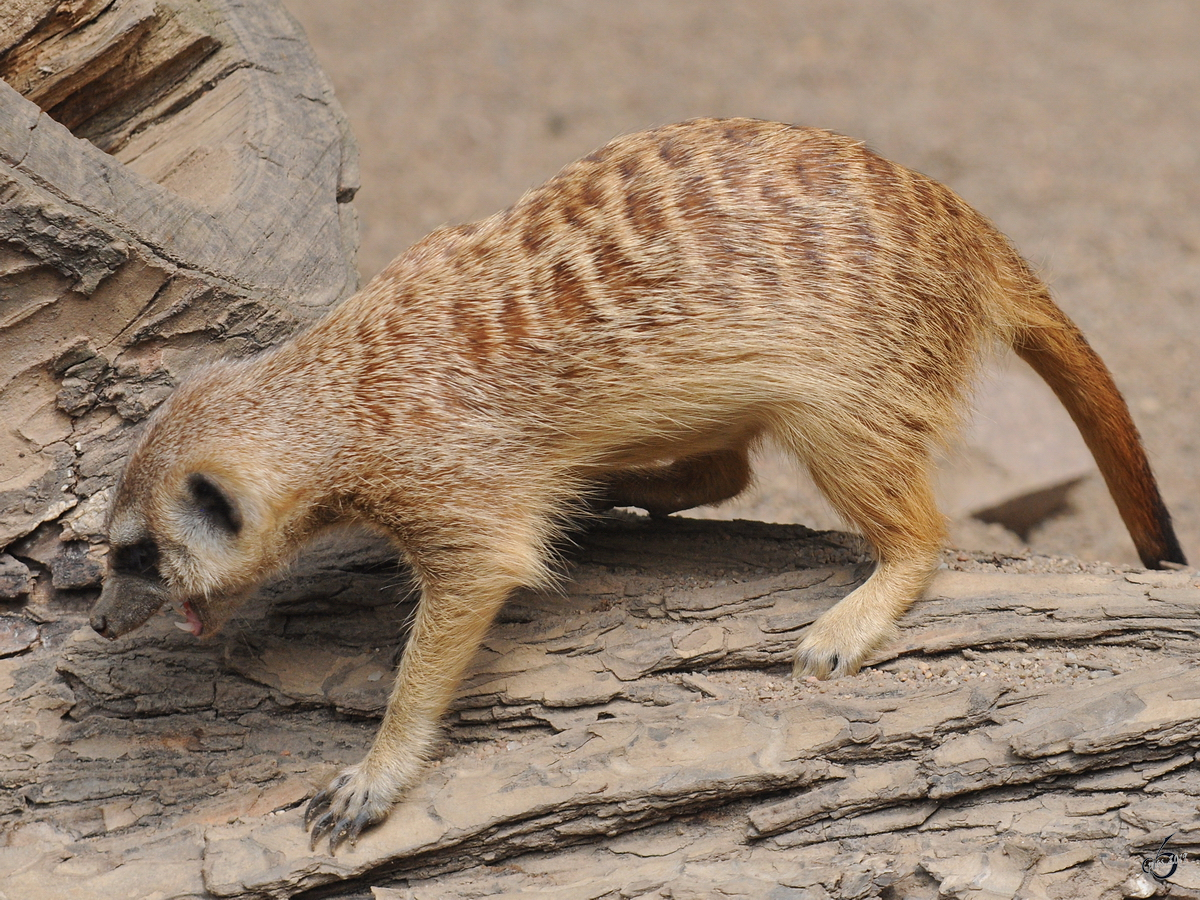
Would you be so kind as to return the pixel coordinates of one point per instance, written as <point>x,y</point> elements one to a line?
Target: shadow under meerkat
<point>624,334</point>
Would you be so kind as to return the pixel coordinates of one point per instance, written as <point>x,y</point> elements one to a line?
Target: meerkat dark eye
<point>140,559</point>
<point>214,504</point>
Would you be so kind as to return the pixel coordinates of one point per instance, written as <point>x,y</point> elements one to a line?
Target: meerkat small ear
<point>214,505</point>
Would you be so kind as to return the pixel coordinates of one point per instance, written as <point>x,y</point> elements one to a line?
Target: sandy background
<point>1072,125</point>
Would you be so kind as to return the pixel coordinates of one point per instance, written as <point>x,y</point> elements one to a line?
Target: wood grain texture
<point>218,220</point>
<point>1035,723</point>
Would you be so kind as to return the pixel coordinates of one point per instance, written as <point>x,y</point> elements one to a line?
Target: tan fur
<point>624,334</point>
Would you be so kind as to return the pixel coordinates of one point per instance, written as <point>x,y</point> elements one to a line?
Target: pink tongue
<point>193,620</point>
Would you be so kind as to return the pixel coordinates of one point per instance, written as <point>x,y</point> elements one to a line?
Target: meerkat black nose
<point>100,626</point>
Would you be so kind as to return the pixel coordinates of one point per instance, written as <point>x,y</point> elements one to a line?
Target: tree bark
<point>1032,731</point>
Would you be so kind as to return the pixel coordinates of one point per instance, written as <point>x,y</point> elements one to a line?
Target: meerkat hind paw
<point>839,642</point>
<point>826,653</point>
<point>824,664</point>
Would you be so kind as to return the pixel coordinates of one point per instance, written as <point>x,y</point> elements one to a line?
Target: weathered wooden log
<point>1034,725</point>
<point>175,185</point>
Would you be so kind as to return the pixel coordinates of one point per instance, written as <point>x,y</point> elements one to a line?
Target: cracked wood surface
<point>1034,725</point>
<point>175,185</point>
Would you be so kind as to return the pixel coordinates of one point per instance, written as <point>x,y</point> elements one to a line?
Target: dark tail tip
<point>1167,549</point>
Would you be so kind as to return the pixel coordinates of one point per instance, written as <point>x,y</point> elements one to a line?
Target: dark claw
<point>317,805</point>
<point>322,827</point>
<point>361,821</point>
<point>323,799</point>
<point>349,830</point>
<point>340,834</point>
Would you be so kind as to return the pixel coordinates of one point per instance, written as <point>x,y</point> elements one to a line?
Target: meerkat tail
<point>1061,355</point>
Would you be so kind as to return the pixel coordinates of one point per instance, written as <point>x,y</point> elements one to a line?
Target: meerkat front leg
<point>683,484</point>
<point>460,596</point>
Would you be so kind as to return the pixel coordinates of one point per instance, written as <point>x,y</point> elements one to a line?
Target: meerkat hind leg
<point>884,490</point>
<point>683,484</point>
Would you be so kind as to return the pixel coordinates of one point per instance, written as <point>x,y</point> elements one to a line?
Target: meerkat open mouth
<point>193,623</point>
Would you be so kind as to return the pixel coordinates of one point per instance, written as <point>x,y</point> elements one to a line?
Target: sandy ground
<point>1071,125</point>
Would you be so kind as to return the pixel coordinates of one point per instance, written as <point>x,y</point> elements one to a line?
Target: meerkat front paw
<point>352,802</point>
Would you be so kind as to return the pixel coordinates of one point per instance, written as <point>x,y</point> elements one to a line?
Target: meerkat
<point>624,334</point>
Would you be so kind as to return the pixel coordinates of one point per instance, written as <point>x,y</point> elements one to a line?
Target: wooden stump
<point>175,185</point>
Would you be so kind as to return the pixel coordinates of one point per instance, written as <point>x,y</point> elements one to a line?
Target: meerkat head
<point>199,516</point>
